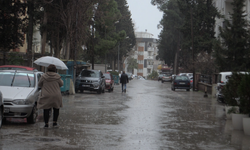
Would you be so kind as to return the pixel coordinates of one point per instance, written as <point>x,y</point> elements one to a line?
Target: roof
<point>15,67</point>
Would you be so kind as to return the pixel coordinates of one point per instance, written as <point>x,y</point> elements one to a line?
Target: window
<point>17,79</point>
<point>88,73</point>
<point>140,61</point>
<point>140,70</point>
<point>140,53</point>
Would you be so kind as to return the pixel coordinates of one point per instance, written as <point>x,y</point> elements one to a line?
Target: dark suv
<point>90,80</point>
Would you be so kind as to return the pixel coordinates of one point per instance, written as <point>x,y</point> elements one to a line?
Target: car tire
<point>32,118</point>
<point>173,89</point>
<point>82,91</point>
<point>1,117</point>
<point>162,81</point>
<point>76,90</point>
<point>103,90</point>
<point>187,89</point>
<point>99,91</point>
<point>109,90</point>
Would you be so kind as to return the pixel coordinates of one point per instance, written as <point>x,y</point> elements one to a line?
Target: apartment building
<point>225,8</point>
<point>145,53</point>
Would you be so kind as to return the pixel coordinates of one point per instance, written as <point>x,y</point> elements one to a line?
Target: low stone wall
<point>202,86</point>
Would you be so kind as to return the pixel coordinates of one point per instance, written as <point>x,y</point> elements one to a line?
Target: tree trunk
<point>30,32</point>
<point>67,50</point>
<point>57,46</point>
<point>44,36</point>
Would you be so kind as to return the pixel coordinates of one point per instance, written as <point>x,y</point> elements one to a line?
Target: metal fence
<point>205,78</point>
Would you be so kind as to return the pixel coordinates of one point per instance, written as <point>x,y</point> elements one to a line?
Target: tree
<point>198,29</point>
<point>170,36</point>
<point>125,24</point>
<point>12,24</point>
<point>231,50</point>
<point>132,64</point>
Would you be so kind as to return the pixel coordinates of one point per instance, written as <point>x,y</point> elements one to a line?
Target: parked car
<point>90,80</point>
<point>20,92</point>
<point>109,82</point>
<point>221,82</point>
<point>189,74</point>
<point>191,81</point>
<point>130,77</point>
<point>166,78</point>
<point>180,82</point>
<point>1,109</point>
<point>173,76</point>
<point>15,67</point>
<point>160,77</point>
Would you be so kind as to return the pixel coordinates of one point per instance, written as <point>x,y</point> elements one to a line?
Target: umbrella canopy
<point>47,60</point>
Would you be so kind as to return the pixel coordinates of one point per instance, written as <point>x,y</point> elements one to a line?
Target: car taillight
<point>108,80</point>
<point>191,81</point>
<point>175,83</point>
<point>221,82</point>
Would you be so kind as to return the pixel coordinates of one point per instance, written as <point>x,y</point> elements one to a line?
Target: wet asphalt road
<point>148,117</point>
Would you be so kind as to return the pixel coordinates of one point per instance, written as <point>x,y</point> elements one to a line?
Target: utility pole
<point>75,43</point>
<point>192,35</point>
<point>118,58</point>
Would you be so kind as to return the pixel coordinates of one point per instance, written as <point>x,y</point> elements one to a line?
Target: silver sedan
<point>20,92</point>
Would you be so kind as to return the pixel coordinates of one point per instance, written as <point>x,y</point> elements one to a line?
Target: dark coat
<point>124,78</point>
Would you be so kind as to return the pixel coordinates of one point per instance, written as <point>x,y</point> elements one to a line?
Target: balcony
<point>150,57</point>
<point>150,66</point>
<point>150,49</point>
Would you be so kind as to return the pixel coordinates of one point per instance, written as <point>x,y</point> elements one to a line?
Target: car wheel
<point>162,81</point>
<point>81,91</point>
<point>109,90</point>
<point>32,118</point>
<point>187,89</point>
<point>1,117</point>
<point>173,89</point>
<point>76,90</point>
<point>103,90</point>
<point>99,91</point>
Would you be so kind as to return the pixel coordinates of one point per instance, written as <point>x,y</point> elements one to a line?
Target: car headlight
<point>21,102</point>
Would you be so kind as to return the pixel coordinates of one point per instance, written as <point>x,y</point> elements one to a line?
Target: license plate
<point>6,110</point>
<point>182,83</point>
<point>85,85</point>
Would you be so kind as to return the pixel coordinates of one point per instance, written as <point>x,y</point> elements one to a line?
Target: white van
<point>221,81</point>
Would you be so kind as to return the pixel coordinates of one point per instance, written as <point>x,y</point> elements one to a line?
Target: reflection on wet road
<point>148,117</point>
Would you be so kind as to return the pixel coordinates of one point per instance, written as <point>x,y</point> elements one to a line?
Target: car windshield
<point>181,78</point>
<point>107,76</point>
<point>90,73</point>
<point>17,79</point>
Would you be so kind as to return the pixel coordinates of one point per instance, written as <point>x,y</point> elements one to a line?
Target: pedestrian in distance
<point>50,96</point>
<point>124,80</point>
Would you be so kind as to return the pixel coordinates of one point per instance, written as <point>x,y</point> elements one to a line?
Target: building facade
<point>225,8</point>
<point>145,52</point>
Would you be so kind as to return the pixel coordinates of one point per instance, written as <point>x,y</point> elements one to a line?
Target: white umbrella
<point>47,60</point>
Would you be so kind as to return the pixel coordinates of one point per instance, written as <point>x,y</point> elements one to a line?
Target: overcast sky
<point>145,16</point>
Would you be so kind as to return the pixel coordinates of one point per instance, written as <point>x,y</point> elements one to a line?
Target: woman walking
<point>50,96</point>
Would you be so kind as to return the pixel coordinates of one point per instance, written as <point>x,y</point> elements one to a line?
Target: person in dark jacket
<point>50,96</point>
<point>124,80</point>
